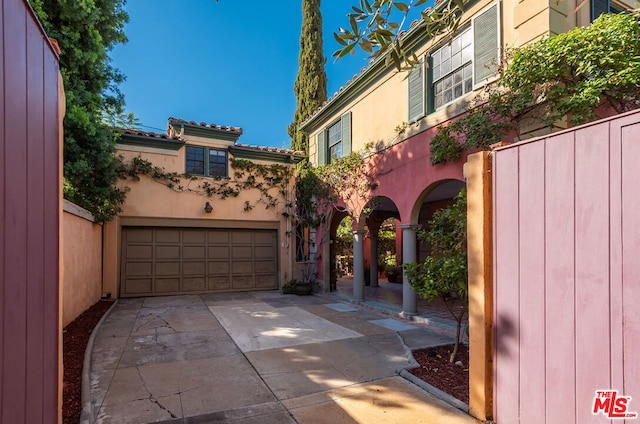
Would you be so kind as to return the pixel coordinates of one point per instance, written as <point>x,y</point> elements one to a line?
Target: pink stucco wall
<point>566,272</point>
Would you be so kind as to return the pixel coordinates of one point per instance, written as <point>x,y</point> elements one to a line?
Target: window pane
<point>466,54</point>
<point>455,45</point>
<point>467,71</point>
<point>446,66</point>
<point>438,89</point>
<point>447,96</point>
<point>468,85</point>
<point>447,82</point>
<point>438,101</point>
<point>436,72</point>
<point>457,91</point>
<point>217,163</point>
<point>456,60</point>
<point>445,52</point>
<point>457,77</point>
<point>195,160</point>
<point>466,38</point>
<point>335,133</point>
<point>436,58</point>
<point>336,151</point>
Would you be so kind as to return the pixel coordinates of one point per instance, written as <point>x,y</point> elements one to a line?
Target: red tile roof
<point>270,149</point>
<point>135,131</point>
<point>236,130</point>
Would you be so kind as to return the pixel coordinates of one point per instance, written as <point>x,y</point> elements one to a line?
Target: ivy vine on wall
<point>271,181</point>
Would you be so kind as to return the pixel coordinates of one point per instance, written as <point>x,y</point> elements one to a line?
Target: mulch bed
<point>434,368</point>
<point>75,337</point>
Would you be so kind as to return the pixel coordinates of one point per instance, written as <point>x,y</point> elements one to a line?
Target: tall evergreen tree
<point>86,31</point>
<point>311,83</point>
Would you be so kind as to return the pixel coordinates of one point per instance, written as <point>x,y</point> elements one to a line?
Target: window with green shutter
<point>335,141</point>
<point>468,61</point>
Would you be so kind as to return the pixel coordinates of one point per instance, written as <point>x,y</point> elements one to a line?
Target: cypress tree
<point>311,83</point>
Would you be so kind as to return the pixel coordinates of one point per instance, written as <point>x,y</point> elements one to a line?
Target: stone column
<point>358,264</point>
<point>409,296</point>
<point>373,259</point>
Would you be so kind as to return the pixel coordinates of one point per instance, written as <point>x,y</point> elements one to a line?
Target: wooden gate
<point>30,202</point>
<point>567,272</point>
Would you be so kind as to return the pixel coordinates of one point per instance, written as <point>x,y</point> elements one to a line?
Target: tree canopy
<point>86,30</point>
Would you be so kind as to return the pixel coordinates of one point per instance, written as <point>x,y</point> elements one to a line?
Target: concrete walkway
<point>259,357</point>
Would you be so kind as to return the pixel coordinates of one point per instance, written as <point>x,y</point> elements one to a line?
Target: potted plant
<point>303,288</point>
<point>391,272</point>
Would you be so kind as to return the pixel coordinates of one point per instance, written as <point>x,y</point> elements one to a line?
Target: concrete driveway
<point>259,357</point>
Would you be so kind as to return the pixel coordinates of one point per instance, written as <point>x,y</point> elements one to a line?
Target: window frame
<point>207,166</point>
<point>452,71</point>
<point>324,145</point>
<point>475,36</point>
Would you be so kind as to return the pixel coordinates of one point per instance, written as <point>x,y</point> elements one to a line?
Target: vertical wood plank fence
<point>29,219</point>
<point>567,272</point>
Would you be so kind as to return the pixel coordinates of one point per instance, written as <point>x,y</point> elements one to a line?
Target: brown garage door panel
<point>167,285</point>
<point>164,260</point>
<point>136,287</point>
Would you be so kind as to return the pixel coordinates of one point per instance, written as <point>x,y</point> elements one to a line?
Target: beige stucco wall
<point>152,203</point>
<point>82,259</point>
<point>383,105</point>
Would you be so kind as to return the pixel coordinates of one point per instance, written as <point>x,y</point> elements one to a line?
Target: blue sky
<point>230,63</point>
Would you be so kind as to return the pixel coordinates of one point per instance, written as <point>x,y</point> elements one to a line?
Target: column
<point>409,242</point>
<point>358,264</point>
<point>373,259</point>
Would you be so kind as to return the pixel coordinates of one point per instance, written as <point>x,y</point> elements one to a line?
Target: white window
<point>468,61</point>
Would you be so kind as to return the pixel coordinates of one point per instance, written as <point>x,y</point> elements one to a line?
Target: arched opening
<point>436,198</point>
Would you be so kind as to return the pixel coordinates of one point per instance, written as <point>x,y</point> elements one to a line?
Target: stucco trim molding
<point>196,223</point>
<point>76,210</point>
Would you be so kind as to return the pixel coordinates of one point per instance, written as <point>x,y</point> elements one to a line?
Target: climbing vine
<point>271,181</point>
<point>568,77</point>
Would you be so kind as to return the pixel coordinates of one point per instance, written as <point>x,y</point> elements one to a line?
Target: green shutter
<point>321,146</point>
<point>486,46</point>
<point>598,7</point>
<point>416,93</point>
<point>346,134</point>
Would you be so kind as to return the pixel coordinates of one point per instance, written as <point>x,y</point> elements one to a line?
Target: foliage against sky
<point>86,30</point>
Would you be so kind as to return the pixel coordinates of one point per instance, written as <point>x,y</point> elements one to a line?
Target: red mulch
<point>74,342</point>
<point>436,370</point>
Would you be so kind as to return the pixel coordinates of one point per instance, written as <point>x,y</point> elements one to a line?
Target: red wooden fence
<point>567,273</point>
<point>29,219</point>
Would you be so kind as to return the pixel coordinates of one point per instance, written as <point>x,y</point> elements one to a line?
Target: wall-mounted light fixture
<point>208,208</point>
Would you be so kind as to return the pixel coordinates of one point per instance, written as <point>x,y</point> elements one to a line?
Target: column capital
<point>408,226</point>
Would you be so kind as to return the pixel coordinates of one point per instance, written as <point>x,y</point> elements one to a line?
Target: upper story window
<point>206,161</point>
<point>468,61</point>
<point>334,142</point>
<point>598,7</point>
<point>452,71</point>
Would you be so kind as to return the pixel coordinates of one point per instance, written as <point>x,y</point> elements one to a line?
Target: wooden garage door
<point>164,261</point>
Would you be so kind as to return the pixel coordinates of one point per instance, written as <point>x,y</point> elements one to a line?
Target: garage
<point>160,261</point>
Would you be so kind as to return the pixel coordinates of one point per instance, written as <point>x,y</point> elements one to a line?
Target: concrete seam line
<point>86,417</point>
